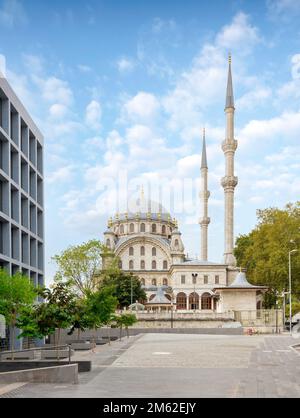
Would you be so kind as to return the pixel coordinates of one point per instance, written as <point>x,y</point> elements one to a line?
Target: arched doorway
<point>206,301</point>
<point>194,301</point>
<point>181,301</point>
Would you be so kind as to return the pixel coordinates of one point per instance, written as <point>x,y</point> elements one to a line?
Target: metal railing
<point>35,354</point>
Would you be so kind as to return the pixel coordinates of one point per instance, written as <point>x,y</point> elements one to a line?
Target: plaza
<point>182,365</point>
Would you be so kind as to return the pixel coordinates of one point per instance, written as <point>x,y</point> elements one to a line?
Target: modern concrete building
<point>21,188</point>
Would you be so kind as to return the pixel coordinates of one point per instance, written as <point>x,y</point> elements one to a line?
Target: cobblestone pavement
<point>183,365</point>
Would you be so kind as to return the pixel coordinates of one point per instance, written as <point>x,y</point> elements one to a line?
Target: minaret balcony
<point>204,221</point>
<point>229,182</point>
<point>204,194</point>
<point>229,145</point>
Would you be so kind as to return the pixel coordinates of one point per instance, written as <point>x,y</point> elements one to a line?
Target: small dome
<point>241,281</point>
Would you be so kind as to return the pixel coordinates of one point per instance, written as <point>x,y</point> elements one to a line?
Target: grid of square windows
<point>21,189</point>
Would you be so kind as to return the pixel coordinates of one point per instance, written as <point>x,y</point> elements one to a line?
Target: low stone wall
<point>186,330</point>
<point>9,366</point>
<point>57,374</point>
<point>179,323</point>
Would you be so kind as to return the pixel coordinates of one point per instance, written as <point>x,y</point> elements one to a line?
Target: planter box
<point>53,354</point>
<point>82,346</point>
<point>18,355</point>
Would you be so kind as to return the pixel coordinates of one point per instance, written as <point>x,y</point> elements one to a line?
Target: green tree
<point>80,265</point>
<point>264,251</point>
<point>58,309</point>
<point>125,320</point>
<point>100,307</point>
<point>17,293</point>
<point>80,317</point>
<point>123,283</point>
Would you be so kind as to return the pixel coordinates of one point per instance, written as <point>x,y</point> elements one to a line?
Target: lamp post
<point>194,275</point>
<point>290,287</point>
<point>131,291</point>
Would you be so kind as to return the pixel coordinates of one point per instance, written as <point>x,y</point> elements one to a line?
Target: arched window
<point>165,265</point>
<point>163,229</point>
<point>143,227</point>
<point>122,229</point>
<point>143,282</point>
<point>153,265</point>
<point>142,265</point>
<point>131,227</point>
<point>142,250</point>
<point>194,300</point>
<point>153,251</point>
<point>154,228</point>
<point>108,242</point>
<point>131,251</point>
<point>206,301</point>
<point>131,265</point>
<point>165,282</point>
<point>176,243</point>
<point>181,301</point>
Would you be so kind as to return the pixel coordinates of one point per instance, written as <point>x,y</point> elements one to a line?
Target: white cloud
<point>84,68</point>
<point>93,115</point>
<point>12,13</point>
<point>2,65</point>
<point>58,111</point>
<point>286,125</point>
<point>33,63</point>
<point>283,9</point>
<point>254,98</point>
<point>143,106</point>
<point>55,90</point>
<point>60,175</point>
<point>295,66</point>
<point>239,34</point>
<point>125,65</point>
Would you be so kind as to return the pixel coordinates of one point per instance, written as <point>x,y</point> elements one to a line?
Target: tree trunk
<point>12,342</point>
<point>58,342</point>
<point>109,330</point>
<point>78,334</point>
<point>94,340</point>
<point>120,332</point>
<point>127,331</point>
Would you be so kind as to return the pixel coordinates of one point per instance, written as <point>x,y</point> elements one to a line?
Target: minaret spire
<point>229,181</point>
<point>204,195</point>
<point>229,90</point>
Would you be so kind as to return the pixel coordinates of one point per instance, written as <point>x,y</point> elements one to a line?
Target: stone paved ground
<point>181,365</point>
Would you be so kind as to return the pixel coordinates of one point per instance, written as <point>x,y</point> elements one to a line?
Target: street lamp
<point>290,287</point>
<point>194,275</point>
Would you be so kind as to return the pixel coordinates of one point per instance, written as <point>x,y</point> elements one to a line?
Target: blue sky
<point>121,90</point>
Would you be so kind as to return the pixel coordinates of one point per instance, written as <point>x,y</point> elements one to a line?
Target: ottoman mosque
<point>148,243</point>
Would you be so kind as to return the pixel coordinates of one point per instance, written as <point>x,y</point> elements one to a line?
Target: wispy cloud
<point>12,13</point>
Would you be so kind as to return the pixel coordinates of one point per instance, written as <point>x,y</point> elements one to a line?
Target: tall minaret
<point>204,195</point>
<point>229,181</point>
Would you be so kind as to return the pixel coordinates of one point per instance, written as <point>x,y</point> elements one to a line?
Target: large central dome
<point>143,206</point>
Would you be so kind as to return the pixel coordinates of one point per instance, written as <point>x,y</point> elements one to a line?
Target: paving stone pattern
<point>183,365</point>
